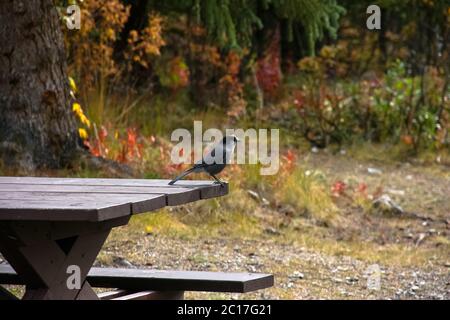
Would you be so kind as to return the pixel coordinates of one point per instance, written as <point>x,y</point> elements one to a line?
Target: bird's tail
<point>181,176</point>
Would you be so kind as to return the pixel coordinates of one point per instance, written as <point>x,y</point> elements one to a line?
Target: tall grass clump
<point>306,193</point>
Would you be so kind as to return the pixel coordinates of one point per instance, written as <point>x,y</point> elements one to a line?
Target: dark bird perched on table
<point>210,164</point>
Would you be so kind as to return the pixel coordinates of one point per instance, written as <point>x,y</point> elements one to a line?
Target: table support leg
<point>43,261</point>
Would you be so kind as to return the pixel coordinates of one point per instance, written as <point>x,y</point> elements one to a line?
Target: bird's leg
<point>217,180</point>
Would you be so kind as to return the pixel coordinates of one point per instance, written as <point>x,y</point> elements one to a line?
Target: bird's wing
<point>211,158</point>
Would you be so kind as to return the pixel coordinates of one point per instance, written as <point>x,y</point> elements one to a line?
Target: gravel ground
<point>299,273</point>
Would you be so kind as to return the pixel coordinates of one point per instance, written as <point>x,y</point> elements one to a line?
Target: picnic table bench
<point>50,224</point>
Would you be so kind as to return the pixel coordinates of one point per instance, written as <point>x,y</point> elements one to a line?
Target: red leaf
<point>338,188</point>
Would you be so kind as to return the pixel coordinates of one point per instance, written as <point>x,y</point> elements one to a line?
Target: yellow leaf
<point>76,108</point>
<point>84,120</point>
<point>148,229</point>
<point>111,34</point>
<point>83,133</point>
<point>72,84</point>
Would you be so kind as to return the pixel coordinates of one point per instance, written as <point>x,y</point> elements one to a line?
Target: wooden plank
<point>152,295</point>
<point>87,198</point>
<point>143,295</point>
<point>9,276</point>
<point>174,196</point>
<point>79,199</point>
<point>108,295</point>
<point>106,181</point>
<point>146,279</point>
<point>14,210</point>
<point>208,189</point>
<point>139,202</point>
<point>56,230</point>
<point>74,207</point>
<point>179,280</point>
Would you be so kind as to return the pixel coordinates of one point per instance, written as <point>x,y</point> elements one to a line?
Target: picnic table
<point>50,224</point>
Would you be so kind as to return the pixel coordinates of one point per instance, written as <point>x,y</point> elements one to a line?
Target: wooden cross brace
<point>40,252</point>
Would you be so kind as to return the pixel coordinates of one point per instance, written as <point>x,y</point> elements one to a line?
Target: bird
<point>209,163</point>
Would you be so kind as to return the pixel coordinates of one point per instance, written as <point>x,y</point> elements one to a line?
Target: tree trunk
<point>37,126</point>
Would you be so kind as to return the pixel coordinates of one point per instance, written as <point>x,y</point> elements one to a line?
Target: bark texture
<point>37,126</point>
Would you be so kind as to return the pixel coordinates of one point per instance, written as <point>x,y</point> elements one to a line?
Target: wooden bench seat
<point>142,280</point>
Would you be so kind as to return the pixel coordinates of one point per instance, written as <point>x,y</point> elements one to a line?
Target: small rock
<point>396,192</point>
<point>257,197</point>
<point>122,262</point>
<point>386,205</point>
<point>412,293</point>
<point>415,288</point>
<point>374,171</point>
<point>297,275</point>
<point>271,230</point>
<point>252,269</point>
<point>253,194</point>
<point>351,280</point>
<point>264,201</point>
<point>420,238</point>
<point>314,150</point>
<point>337,280</point>
<point>343,292</point>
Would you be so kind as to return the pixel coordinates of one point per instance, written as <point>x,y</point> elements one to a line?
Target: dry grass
<point>307,194</point>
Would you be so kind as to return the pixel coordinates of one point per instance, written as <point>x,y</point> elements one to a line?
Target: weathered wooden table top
<point>82,199</point>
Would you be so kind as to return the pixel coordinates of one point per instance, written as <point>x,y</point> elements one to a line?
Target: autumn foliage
<point>390,86</point>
